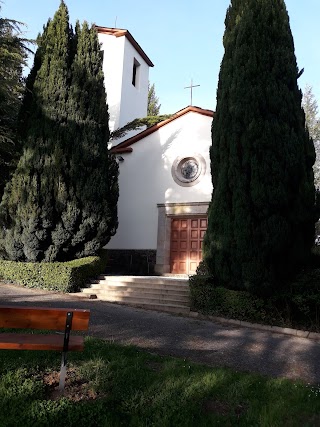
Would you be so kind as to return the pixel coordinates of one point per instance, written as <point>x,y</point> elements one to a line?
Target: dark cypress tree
<point>59,205</point>
<point>262,214</point>
<point>32,203</point>
<point>153,101</point>
<point>93,172</point>
<point>26,107</point>
<point>13,54</point>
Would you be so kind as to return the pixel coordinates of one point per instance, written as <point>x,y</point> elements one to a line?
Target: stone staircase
<point>170,294</point>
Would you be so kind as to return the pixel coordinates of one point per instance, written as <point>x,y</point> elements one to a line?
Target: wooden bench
<point>58,319</point>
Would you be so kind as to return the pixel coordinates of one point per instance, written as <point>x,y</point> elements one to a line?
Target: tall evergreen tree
<point>93,172</point>
<point>27,99</point>
<point>13,53</point>
<point>262,214</point>
<point>61,202</point>
<point>32,205</point>
<point>153,101</point>
<point>310,107</point>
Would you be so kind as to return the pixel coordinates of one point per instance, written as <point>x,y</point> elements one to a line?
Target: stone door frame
<point>166,211</point>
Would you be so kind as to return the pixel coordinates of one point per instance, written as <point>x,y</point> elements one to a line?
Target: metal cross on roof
<point>191,87</point>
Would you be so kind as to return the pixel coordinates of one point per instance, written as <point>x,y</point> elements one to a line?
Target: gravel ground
<point>201,341</point>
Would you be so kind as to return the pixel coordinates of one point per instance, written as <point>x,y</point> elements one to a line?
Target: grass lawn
<point>111,385</point>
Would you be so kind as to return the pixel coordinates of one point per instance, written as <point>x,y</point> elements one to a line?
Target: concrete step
<point>143,285</point>
<point>169,294</point>
<point>106,287</point>
<point>143,299</point>
<point>141,295</point>
<point>155,280</point>
<point>127,292</point>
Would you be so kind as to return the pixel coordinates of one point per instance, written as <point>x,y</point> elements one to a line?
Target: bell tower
<point>126,70</point>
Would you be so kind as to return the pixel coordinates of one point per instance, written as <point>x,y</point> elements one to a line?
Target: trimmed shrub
<point>296,306</point>
<point>210,299</point>
<point>54,276</point>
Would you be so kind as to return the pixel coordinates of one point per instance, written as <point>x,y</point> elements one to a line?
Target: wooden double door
<point>187,235</point>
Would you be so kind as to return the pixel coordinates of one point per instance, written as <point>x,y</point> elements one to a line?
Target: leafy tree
<point>262,214</point>
<point>61,202</point>
<point>153,101</point>
<point>13,53</point>
<point>310,107</point>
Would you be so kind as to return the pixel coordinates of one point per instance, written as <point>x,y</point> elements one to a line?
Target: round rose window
<point>187,171</point>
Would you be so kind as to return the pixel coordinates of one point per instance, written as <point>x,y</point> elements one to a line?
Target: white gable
<point>146,178</point>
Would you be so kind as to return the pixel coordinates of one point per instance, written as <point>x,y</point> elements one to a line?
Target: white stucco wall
<point>134,99</point>
<point>146,180</point>
<point>113,58</point>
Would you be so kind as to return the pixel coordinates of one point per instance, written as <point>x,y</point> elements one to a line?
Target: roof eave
<point>128,142</point>
<point>120,32</point>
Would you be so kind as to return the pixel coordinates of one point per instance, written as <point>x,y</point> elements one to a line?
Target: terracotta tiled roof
<point>125,146</point>
<point>119,32</point>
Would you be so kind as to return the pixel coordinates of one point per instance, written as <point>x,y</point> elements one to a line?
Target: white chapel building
<point>165,181</point>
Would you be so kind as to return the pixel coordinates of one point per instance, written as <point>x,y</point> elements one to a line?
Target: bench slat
<point>14,341</point>
<point>42,318</point>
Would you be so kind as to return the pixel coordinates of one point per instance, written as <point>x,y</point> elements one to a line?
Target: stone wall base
<point>132,261</point>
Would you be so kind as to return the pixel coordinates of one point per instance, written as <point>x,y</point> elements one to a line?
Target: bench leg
<point>63,371</point>
<point>66,337</point>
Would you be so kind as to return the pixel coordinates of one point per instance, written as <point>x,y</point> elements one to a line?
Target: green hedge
<point>296,306</point>
<point>56,276</point>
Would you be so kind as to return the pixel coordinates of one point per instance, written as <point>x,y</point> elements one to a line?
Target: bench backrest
<point>43,318</point>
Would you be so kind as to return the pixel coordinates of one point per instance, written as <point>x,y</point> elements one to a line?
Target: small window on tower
<point>135,73</point>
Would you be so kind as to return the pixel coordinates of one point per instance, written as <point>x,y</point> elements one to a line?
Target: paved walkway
<point>198,340</point>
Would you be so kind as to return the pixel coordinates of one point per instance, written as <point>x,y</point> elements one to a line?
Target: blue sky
<point>182,38</point>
